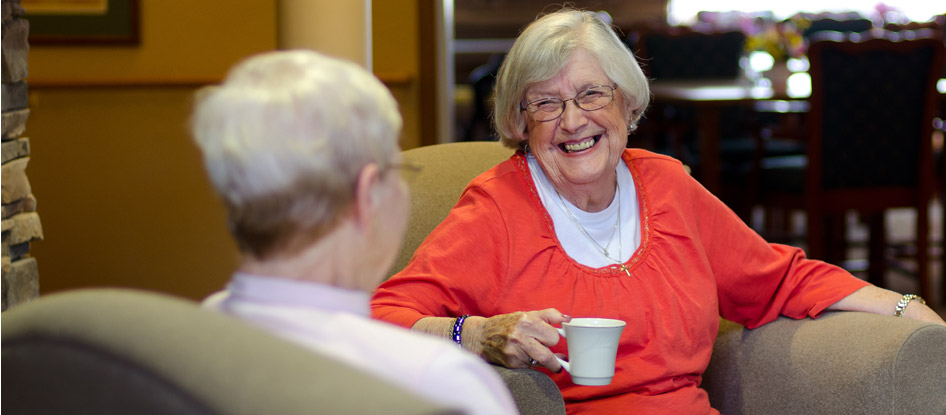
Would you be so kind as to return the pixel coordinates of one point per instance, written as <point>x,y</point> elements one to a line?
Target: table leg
<point>709,137</point>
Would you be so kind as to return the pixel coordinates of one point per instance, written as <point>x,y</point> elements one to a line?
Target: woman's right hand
<point>513,340</point>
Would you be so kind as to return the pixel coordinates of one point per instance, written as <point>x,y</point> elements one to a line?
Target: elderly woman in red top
<point>574,224</point>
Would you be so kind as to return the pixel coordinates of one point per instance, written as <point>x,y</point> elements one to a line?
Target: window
<point>685,11</point>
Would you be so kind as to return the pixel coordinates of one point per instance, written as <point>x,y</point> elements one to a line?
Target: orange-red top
<point>497,253</point>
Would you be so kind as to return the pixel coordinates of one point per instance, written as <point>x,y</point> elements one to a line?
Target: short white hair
<point>284,138</point>
<point>542,50</point>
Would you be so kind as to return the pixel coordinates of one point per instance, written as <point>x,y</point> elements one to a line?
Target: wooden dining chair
<point>837,24</point>
<point>679,54</point>
<point>483,80</point>
<point>873,100</point>
<point>683,54</point>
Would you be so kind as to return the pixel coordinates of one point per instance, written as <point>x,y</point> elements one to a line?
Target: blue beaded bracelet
<point>457,329</point>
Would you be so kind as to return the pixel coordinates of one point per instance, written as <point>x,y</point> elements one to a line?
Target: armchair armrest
<point>534,392</point>
<point>843,362</point>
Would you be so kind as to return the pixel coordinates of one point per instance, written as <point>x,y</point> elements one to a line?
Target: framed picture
<point>64,22</point>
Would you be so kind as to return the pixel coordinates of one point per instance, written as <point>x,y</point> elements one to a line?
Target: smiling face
<point>579,150</point>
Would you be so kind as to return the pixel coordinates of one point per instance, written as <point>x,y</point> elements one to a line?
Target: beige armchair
<point>107,351</point>
<point>842,363</point>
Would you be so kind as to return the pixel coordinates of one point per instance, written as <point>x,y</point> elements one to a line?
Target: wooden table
<point>709,97</point>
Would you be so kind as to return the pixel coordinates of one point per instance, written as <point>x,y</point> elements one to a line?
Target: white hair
<point>285,137</point>
<point>542,50</point>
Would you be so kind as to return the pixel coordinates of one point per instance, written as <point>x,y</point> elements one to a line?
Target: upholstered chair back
<point>112,351</point>
<point>447,169</point>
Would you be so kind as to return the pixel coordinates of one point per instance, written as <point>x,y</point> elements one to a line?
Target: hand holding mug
<point>516,340</point>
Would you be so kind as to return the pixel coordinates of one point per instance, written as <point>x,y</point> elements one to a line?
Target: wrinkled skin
<point>511,340</point>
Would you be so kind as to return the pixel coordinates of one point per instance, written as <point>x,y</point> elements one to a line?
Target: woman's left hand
<point>872,299</point>
<point>922,312</point>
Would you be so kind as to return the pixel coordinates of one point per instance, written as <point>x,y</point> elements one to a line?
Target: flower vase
<point>778,76</point>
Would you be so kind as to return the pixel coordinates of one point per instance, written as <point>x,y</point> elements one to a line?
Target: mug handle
<point>562,362</point>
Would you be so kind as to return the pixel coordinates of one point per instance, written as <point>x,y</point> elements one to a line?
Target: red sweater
<point>497,253</point>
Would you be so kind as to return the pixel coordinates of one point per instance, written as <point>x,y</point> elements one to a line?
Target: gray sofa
<point>842,363</point>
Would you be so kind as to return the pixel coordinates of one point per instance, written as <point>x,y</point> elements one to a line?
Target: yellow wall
<point>395,53</point>
<point>121,192</point>
<point>181,41</point>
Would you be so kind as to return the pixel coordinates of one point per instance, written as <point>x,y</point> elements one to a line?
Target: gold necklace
<point>603,250</point>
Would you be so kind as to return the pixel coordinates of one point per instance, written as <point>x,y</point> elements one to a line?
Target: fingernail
<point>566,316</point>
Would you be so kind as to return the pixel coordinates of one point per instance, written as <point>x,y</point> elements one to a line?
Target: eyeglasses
<point>409,171</point>
<point>591,99</point>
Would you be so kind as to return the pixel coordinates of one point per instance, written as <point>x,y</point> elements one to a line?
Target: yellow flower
<point>782,40</point>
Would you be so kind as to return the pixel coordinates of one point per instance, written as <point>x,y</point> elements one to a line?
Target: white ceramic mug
<point>592,349</point>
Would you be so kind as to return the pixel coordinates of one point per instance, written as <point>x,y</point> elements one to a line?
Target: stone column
<point>20,224</point>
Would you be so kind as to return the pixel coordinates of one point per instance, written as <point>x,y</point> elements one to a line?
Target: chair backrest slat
<point>873,101</point>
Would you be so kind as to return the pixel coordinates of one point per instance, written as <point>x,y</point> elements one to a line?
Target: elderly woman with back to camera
<point>302,148</point>
<point>575,224</point>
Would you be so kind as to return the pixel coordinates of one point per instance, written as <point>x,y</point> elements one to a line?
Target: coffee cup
<point>592,349</point>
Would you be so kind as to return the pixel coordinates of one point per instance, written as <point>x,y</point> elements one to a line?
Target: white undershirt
<point>598,224</point>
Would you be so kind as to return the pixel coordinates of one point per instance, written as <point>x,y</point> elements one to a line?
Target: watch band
<point>904,301</point>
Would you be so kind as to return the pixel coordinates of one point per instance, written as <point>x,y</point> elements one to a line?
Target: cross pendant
<point>624,268</point>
